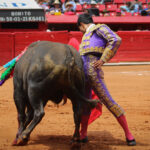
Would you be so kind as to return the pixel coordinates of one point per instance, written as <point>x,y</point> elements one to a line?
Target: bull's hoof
<point>14,143</point>
<point>20,141</point>
<point>75,140</point>
<point>75,144</point>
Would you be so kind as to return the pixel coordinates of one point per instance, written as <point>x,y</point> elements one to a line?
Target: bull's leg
<point>30,114</point>
<point>38,109</point>
<point>77,103</point>
<point>77,120</point>
<point>20,103</point>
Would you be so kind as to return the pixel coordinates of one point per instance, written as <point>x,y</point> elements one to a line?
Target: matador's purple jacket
<point>100,39</point>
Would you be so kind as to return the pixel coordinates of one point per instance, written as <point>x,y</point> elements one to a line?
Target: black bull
<point>47,71</point>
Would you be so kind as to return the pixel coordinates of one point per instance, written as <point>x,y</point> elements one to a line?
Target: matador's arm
<point>113,40</point>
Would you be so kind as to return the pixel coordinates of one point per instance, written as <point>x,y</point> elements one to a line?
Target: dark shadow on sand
<point>98,140</point>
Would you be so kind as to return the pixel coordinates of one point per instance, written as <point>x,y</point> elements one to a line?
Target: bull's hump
<point>45,68</point>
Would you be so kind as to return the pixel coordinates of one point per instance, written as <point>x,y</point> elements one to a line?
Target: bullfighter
<point>99,44</point>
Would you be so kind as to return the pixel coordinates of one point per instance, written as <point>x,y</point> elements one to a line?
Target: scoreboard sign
<point>26,15</point>
<point>21,11</point>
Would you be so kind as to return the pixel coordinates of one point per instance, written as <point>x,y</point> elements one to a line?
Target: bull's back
<point>48,66</point>
<point>45,61</point>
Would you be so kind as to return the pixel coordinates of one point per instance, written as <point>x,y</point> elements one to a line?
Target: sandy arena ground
<point>129,86</point>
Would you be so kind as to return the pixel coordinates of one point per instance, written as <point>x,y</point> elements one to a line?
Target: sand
<point>129,86</point>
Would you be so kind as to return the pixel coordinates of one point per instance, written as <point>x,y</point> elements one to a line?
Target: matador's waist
<point>95,54</point>
<point>93,50</point>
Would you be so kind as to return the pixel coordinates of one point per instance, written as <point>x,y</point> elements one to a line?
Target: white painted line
<point>126,63</point>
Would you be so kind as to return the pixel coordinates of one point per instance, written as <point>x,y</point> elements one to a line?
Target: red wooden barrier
<point>24,39</point>
<point>6,47</point>
<point>135,45</point>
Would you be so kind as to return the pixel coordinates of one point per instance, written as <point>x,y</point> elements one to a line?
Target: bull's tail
<point>75,94</point>
<point>92,102</point>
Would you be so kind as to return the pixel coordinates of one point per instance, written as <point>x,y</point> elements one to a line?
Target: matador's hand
<point>97,64</point>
